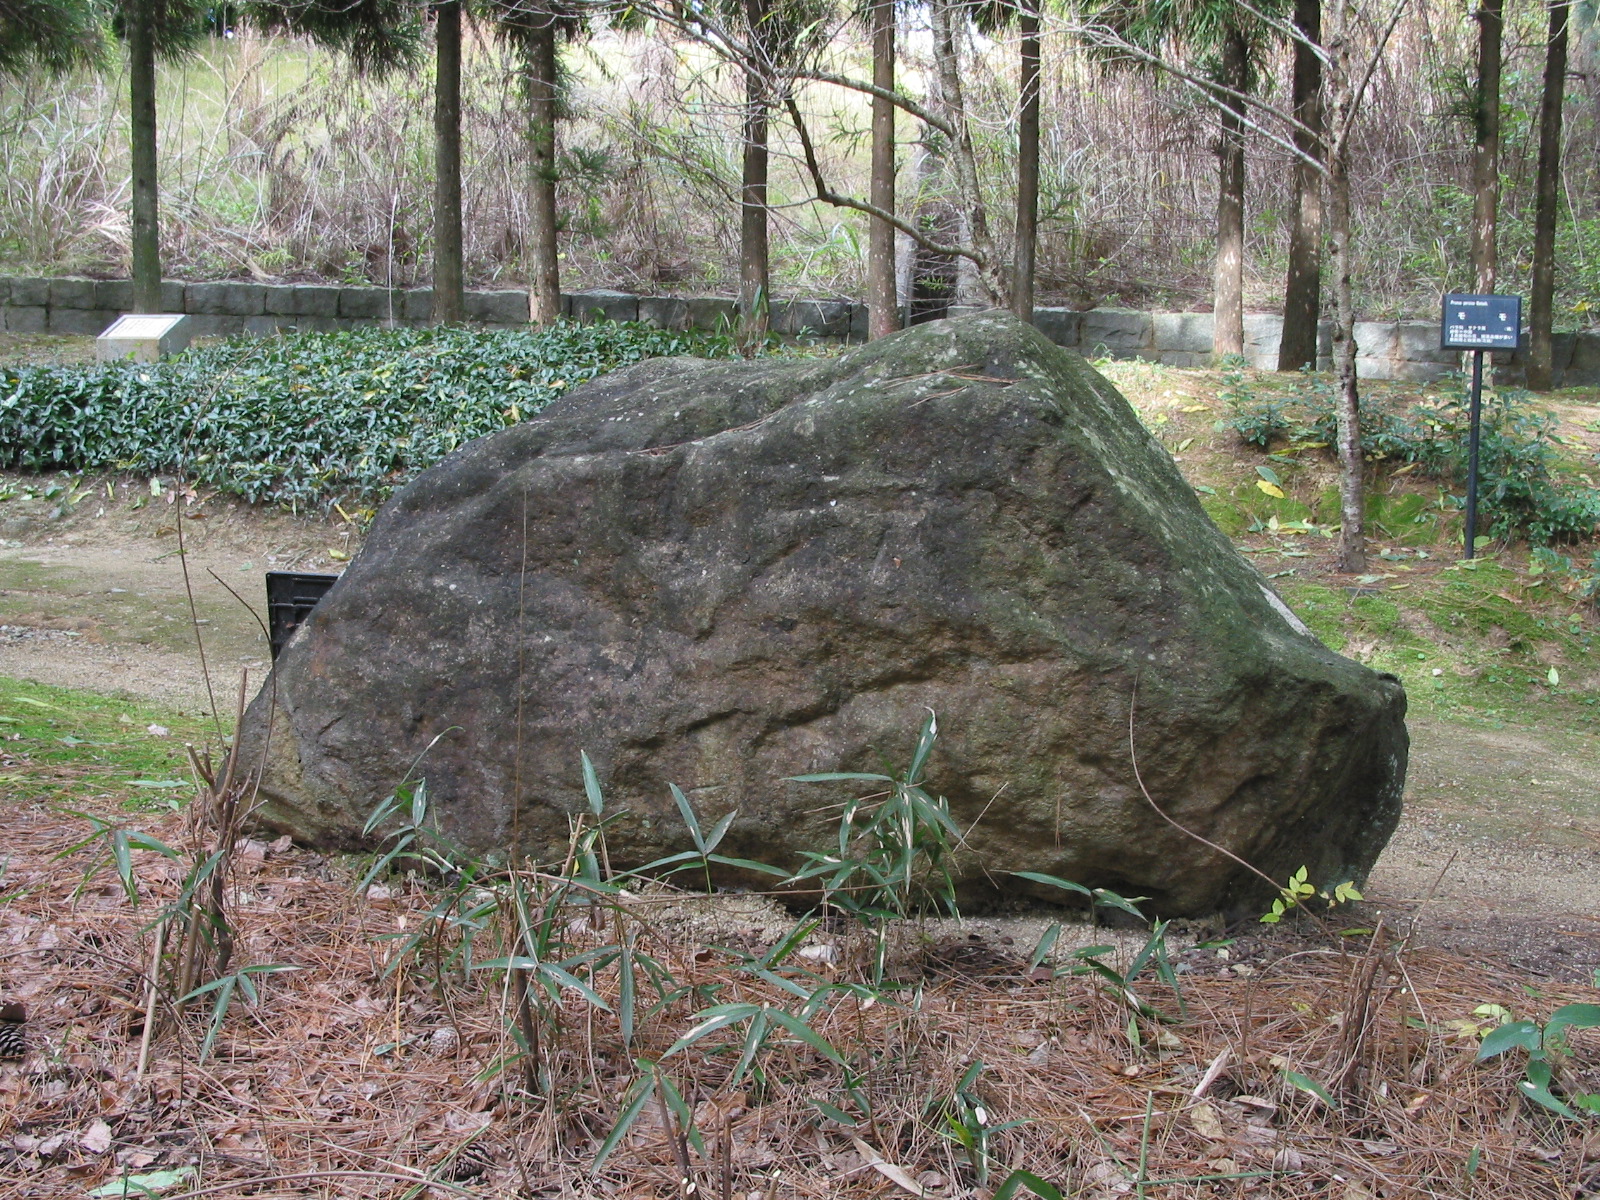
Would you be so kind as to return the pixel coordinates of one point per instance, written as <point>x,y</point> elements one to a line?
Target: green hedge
<point>307,420</point>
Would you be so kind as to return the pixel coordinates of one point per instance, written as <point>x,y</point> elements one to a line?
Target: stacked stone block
<point>1384,349</point>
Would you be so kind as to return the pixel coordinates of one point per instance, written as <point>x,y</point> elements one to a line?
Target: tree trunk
<point>755,277</point>
<point>1027,163</point>
<point>883,303</point>
<point>1302,293</point>
<point>1486,160</point>
<point>1347,403</point>
<point>1352,490</point>
<point>943,17</point>
<point>142,139</point>
<point>544,295</point>
<point>1541,302</point>
<point>1228,329</point>
<point>448,283</point>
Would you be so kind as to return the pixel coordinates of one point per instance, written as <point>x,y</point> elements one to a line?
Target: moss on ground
<point>76,748</point>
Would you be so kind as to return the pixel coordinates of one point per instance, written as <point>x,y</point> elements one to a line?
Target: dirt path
<point>1499,848</point>
<point>93,592</point>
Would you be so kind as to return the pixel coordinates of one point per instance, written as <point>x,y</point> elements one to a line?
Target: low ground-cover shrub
<point>1524,486</point>
<point>311,419</point>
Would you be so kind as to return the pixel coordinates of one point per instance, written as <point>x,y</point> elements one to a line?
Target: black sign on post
<point>1478,323</point>
<point>1481,323</point>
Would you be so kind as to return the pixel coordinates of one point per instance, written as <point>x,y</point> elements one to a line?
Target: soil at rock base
<point>1496,855</point>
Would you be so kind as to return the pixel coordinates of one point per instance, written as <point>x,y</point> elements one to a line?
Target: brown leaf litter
<point>349,1080</point>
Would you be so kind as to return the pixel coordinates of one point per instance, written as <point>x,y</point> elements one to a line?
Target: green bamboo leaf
<point>925,739</point>
<point>219,1010</point>
<point>693,857</point>
<point>1047,942</point>
<point>512,962</point>
<point>711,1020</point>
<point>1054,881</point>
<point>833,1114</point>
<point>805,1033</point>
<point>689,818</point>
<point>591,786</point>
<point>720,831</point>
<point>1019,1179</point>
<point>755,1037</point>
<point>627,992</point>
<point>1108,899</point>
<point>748,864</point>
<point>839,777</point>
<point>143,841</point>
<point>681,1110</point>
<point>637,1096</point>
<point>566,979</point>
<point>1152,945</point>
<point>1310,1086</point>
<point>790,942</point>
<point>382,863</point>
<point>124,863</point>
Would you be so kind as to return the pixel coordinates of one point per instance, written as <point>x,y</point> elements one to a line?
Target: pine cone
<point>470,1162</point>
<point>13,1030</point>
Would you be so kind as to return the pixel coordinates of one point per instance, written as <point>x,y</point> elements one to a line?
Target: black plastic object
<point>291,595</point>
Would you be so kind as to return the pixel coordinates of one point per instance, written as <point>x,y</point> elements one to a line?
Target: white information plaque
<point>143,337</point>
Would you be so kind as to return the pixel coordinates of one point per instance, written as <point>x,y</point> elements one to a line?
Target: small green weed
<point>1298,891</point>
<point>194,940</point>
<point>1092,960</point>
<point>1526,486</point>
<point>968,1124</point>
<point>1549,1055</point>
<point>892,858</point>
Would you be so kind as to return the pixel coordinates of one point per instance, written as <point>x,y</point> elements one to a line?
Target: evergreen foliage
<point>56,35</point>
<point>311,419</point>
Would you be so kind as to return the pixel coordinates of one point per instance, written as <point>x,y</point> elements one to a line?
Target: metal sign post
<point>1478,323</point>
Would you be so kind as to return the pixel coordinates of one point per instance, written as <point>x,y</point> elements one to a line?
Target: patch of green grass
<point>1489,600</point>
<point>29,588</point>
<point>1322,609</point>
<point>1379,617</point>
<point>76,749</point>
<point>1469,641</point>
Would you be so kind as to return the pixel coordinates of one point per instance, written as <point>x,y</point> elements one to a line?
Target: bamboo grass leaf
<point>637,1096</point>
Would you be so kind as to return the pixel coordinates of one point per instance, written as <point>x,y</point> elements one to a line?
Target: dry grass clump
<point>481,1037</point>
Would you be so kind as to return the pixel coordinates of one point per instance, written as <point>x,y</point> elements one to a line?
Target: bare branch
<point>704,28</point>
<point>898,99</point>
<point>828,196</point>
<point>1377,56</point>
<point>1237,102</point>
<point>1211,91</point>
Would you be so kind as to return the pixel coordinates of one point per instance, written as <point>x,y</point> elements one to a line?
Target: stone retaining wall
<point>1386,349</point>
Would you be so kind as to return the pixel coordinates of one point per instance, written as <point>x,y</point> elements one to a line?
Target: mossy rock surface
<point>721,575</point>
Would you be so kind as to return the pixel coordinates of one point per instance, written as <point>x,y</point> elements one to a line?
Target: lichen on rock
<point>721,575</point>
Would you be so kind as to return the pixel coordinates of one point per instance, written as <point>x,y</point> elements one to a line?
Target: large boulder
<point>720,575</point>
